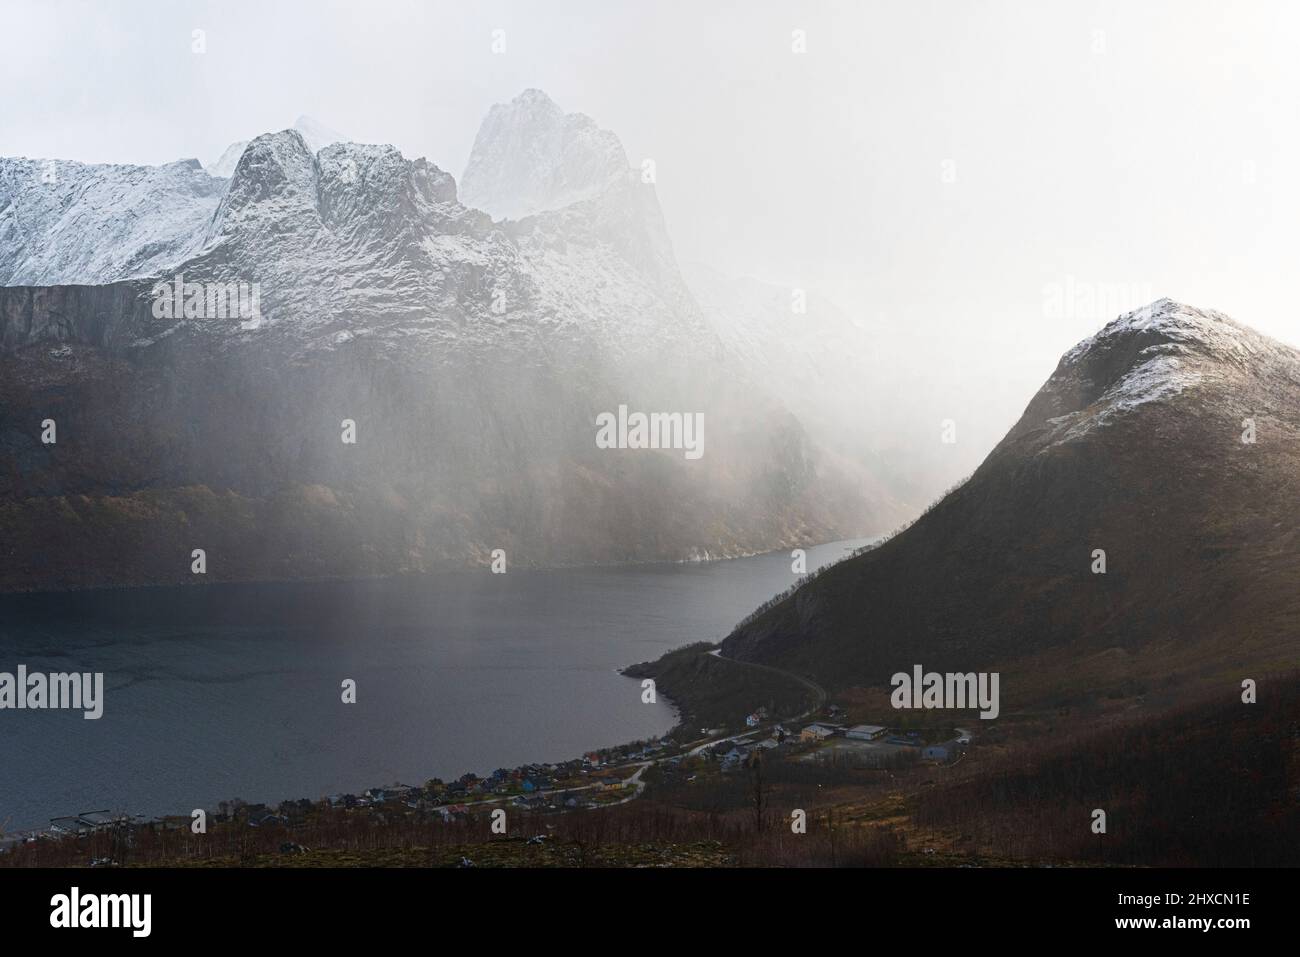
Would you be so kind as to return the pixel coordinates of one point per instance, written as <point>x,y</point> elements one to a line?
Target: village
<point>599,779</point>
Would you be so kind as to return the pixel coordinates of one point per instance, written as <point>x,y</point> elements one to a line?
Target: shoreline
<point>687,702</point>
<point>613,759</point>
<point>199,582</point>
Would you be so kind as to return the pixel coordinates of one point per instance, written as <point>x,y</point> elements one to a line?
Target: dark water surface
<point>226,691</point>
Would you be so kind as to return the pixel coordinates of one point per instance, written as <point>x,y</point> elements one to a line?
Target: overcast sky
<point>940,168</point>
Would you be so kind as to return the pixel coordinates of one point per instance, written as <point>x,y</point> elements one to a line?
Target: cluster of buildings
<point>626,753</point>
<point>87,822</point>
<point>567,784</point>
<point>524,785</point>
<point>822,730</point>
<point>732,754</point>
<point>530,786</point>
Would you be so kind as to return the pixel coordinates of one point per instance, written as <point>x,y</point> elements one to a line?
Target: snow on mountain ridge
<point>315,134</point>
<point>358,237</point>
<point>530,156</point>
<point>1147,357</point>
<point>67,222</point>
<point>1173,320</point>
<point>276,169</point>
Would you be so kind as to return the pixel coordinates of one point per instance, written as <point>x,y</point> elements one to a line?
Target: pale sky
<point>933,167</point>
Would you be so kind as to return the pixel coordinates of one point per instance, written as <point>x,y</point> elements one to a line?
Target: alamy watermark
<point>179,299</point>
<point>1097,302</point>
<point>931,689</point>
<point>75,909</point>
<point>37,691</point>
<point>652,430</point>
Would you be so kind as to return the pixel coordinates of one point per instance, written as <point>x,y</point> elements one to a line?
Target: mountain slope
<point>66,222</point>
<point>1134,446</point>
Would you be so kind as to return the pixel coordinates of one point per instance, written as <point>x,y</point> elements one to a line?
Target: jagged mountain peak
<point>359,182</point>
<point>276,174</point>
<point>530,156</point>
<point>352,231</point>
<point>315,134</point>
<point>285,150</point>
<point>538,99</point>
<point>280,166</point>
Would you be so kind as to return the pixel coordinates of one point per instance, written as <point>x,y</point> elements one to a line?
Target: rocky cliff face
<point>107,317</point>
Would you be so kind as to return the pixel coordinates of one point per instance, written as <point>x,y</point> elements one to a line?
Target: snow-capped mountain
<point>530,156</point>
<point>67,222</point>
<point>1151,355</point>
<point>416,258</point>
<point>474,359</point>
<point>314,133</point>
<point>1141,512</point>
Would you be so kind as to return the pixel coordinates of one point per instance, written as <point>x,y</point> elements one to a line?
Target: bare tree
<point>755,764</point>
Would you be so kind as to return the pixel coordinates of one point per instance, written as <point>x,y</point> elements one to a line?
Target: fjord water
<point>221,691</point>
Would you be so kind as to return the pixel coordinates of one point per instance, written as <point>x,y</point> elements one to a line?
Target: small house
<point>736,755</point>
<point>816,732</point>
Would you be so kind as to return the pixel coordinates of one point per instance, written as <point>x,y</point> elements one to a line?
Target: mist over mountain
<point>530,156</point>
<point>474,359</point>
<point>1168,441</point>
<point>837,374</point>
